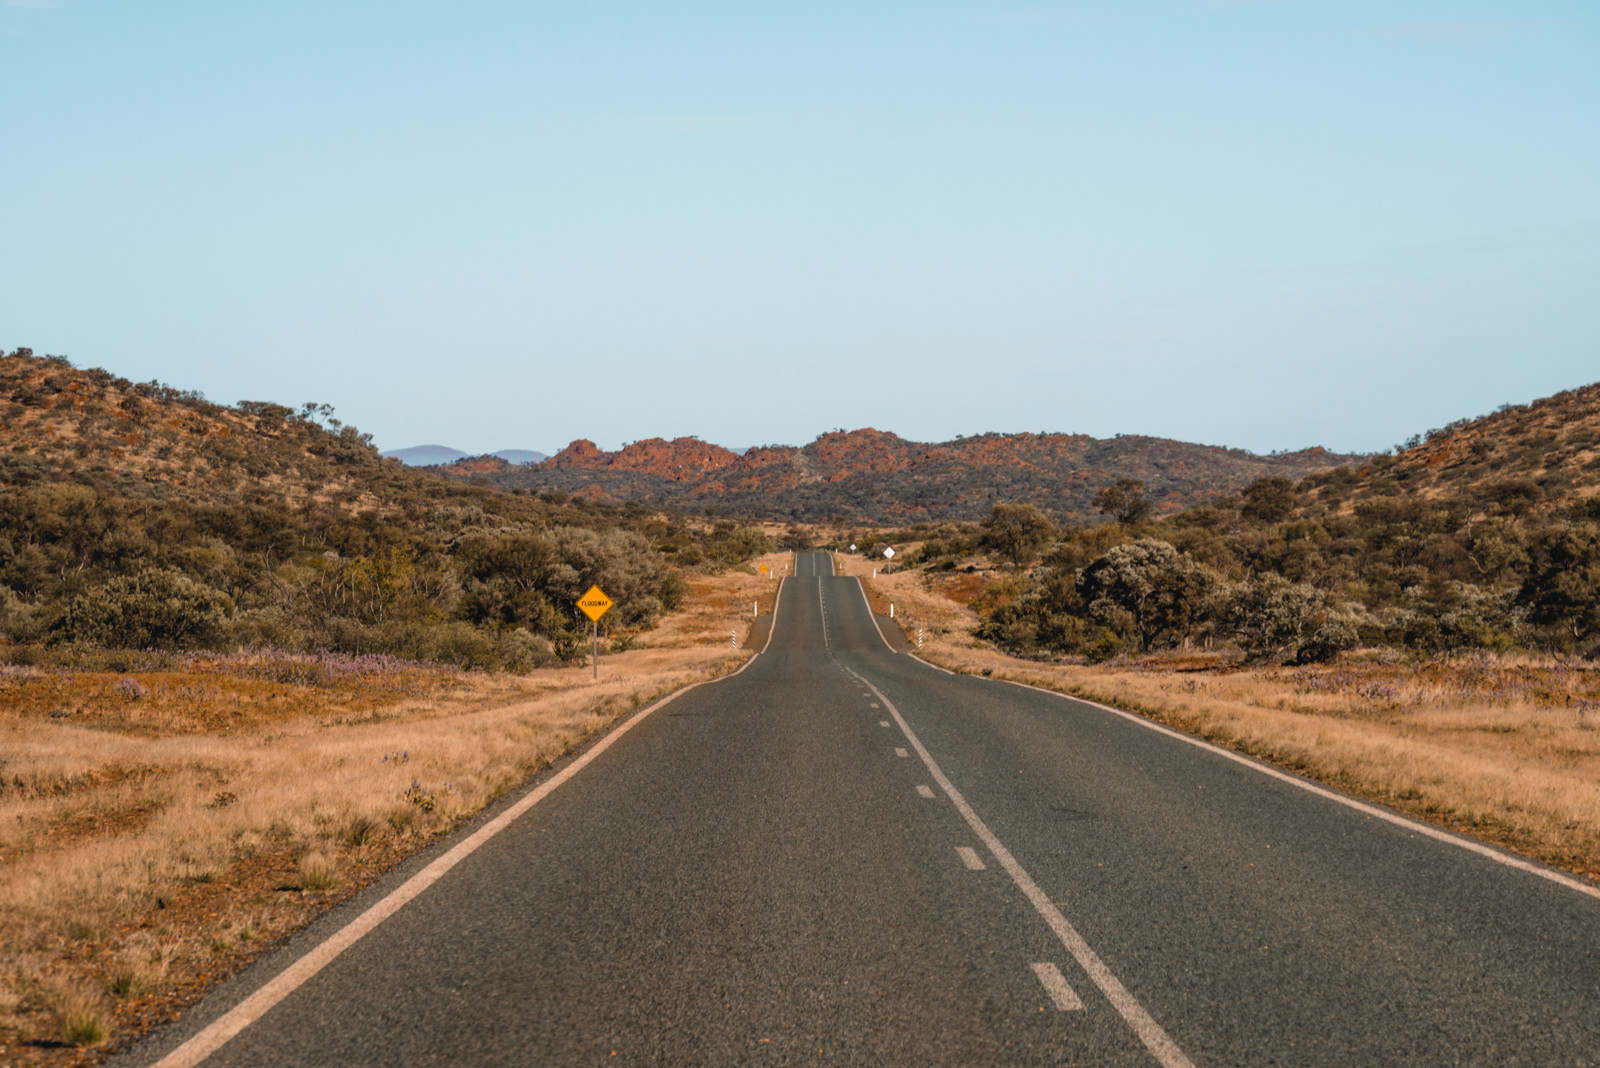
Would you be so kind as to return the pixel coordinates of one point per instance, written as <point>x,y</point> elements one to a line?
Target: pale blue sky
<point>494,225</point>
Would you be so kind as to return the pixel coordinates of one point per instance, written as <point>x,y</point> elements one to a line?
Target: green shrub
<point>1330,639</point>
<point>521,650</point>
<point>673,591</point>
<point>158,608</point>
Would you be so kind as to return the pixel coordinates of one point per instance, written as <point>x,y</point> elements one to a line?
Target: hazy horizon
<point>549,452</point>
<point>1263,224</point>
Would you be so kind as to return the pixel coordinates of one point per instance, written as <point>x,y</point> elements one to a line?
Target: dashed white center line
<point>901,753</point>
<point>1155,1039</point>
<point>970,858</point>
<point>822,609</point>
<point>1055,984</point>
<point>883,723</point>
<point>925,790</point>
<point>874,705</point>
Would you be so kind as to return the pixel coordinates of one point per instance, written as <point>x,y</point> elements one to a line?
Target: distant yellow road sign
<point>595,603</point>
<point>763,569</point>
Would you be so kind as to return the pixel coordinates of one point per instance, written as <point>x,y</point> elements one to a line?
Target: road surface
<point>842,855</point>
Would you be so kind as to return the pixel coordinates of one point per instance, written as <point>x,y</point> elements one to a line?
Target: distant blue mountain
<point>426,455</point>
<point>521,456</point>
<point>429,455</point>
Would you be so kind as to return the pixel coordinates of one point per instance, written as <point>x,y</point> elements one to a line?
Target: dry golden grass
<point>1504,748</point>
<point>158,830</point>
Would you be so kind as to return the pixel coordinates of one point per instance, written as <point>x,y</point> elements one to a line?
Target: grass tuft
<point>361,830</point>
<point>317,873</point>
<point>127,982</point>
<point>80,1016</point>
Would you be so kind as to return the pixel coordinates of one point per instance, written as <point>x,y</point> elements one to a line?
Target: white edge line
<point>1156,1040</point>
<point>777,599</point>
<point>1469,844</point>
<point>916,654</point>
<point>871,616</point>
<point>214,1035</point>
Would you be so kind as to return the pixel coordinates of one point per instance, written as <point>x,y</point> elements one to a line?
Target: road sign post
<point>594,604</point>
<point>888,554</point>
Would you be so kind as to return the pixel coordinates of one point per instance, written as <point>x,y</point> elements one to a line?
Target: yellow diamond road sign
<point>594,603</point>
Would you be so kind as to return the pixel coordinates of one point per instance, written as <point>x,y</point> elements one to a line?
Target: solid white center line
<point>925,790</point>
<point>1143,1024</point>
<point>1055,984</point>
<point>969,856</point>
<point>901,753</point>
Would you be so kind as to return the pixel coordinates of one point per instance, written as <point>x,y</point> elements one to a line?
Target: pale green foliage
<point>157,608</point>
<point>1273,616</point>
<point>1149,587</point>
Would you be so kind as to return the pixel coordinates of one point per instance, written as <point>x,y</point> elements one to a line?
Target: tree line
<point>1285,572</point>
<point>466,585</point>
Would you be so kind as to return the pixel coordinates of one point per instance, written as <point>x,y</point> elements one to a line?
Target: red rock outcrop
<point>873,473</point>
<point>581,453</point>
<point>679,459</point>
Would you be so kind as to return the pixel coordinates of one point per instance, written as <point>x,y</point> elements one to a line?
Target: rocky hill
<point>145,440</point>
<point>873,476</point>
<point>136,516</point>
<point>1543,454</point>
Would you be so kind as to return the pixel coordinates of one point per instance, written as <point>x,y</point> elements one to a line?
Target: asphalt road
<point>844,856</point>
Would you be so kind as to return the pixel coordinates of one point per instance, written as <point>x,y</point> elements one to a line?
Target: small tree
<point>796,539</point>
<point>1274,616</point>
<point>1017,532</point>
<point>1270,499</point>
<point>1125,502</point>
<point>1149,585</point>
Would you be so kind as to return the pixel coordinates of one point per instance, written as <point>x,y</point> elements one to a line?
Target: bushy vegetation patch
<point>1288,578</point>
<point>139,517</point>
